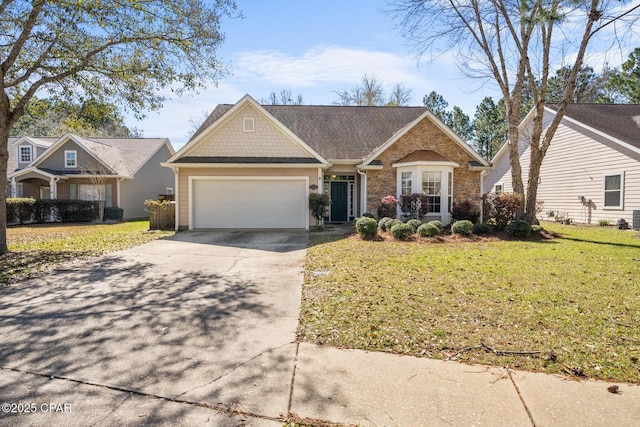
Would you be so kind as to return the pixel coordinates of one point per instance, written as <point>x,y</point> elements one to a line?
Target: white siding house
<point>592,168</point>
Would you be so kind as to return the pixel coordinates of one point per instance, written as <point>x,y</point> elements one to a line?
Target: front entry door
<point>339,198</point>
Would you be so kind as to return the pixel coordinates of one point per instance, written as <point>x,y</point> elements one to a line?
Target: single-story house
<point>253,166</point>
<point>591,171</point>
<point>125,171</point>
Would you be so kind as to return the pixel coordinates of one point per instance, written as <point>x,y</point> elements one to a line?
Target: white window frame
<point>406,177</point>
<point>248,124</point>
<point>169,190</point>
<point>20,158</point>
<point>417,170</point>
<point>620,190</point>
<point>498,188</point>
<point>75,159</point>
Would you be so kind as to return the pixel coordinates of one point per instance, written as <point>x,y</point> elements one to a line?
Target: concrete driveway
<point>159,334</point>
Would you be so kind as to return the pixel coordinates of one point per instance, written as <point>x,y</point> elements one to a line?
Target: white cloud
<point>325,67</point>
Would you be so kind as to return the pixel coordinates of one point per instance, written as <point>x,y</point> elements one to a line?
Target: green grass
<point>574,298</point>
<point>40,248</point>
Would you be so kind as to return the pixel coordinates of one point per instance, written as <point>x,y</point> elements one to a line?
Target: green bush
<point>382,224</point>
<point>367,227</point>
<point>113,214</point>
<point>368,215</point>
<point>604,222</point>
<point>437,224</point>
<point>318,204</point>
<point>519,229</point>
<point>20,210</point>
<point>465,210</point>
<point>414,224</point>
<point>464,227</point>
<point>503,207</point>
<point>428,230</point>
<point>401,231</point>
<point>76,210</point>
<point>45,210</point>
<point>392,223</point>
<point>536,229</point>
<point>481,228</point>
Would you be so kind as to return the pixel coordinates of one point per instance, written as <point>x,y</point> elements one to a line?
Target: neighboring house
<point>253,166</point>
<point>125,171</point>
<point>592,168</point>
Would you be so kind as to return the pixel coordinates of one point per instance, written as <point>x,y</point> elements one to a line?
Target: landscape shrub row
<point>27,210</point>
<point>367,227</point>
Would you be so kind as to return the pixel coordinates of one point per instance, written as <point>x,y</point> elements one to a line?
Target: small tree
<point>318,204</point>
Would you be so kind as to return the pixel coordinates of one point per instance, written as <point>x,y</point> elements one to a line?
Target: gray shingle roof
<point>621,121</point>
<point>336,132</point>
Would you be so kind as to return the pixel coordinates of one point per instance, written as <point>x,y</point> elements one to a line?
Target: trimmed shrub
<point>401,231</point>
<point>414,224</point>
<point>113,214</point>
<point>481,228</point>
<point>20,209</point>
<point>388,207</point>
<point>437,224</point>
<point>391,223</point>
<point>465,210</point>
<point>318,204</point>
<point>503,207</point>
<point>428,230</point>
<point>519,229</point>
<point>367,215</point>
<point>464,227</point>
<point>45,210</point>
<point>77,210</point>
<point>367,227</point>
<point>536,229</point>
<point>382,224</point>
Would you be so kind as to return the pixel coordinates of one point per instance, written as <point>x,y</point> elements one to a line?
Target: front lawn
<point>39,248</point>
<point>566,305</point>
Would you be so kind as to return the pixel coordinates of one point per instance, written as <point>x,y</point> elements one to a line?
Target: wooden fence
<point>162,216</point>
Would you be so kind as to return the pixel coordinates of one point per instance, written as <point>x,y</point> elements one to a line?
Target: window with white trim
<point>406,183</point>
<point>498,188</point>
<point>432,187</point>
<point>70,159</point>
<point>248,124</point>
<point>26,154</point>
<point>169,190</point>
<point>613,190</point>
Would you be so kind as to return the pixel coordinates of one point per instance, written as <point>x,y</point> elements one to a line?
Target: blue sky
<point>314,48</point>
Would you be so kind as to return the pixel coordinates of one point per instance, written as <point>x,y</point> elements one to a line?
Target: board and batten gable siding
<point>149,182</point>
<point>574,167</point>
<point>56,160</point>
<point>231,140</point>
<point>185,173</point>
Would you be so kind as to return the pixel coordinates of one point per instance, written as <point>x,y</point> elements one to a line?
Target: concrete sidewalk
<point>379,389</point>
<point>344,387</point>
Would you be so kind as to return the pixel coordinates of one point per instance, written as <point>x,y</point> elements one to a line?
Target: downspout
<point>118,181</point>
<point>363,204</point>
<point>176,192</point>
<point>14,188</point>
<point>481,194</point>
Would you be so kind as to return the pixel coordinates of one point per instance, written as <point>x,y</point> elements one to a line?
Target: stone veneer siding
<point>423,136</point>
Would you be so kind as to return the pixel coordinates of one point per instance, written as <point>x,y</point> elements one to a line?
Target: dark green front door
<point>339,198</point>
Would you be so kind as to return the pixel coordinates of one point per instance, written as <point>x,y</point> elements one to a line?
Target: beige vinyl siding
<point>149,181</point>
<point>574,167</point>
<point>185,173</point>
<point>266,140</point>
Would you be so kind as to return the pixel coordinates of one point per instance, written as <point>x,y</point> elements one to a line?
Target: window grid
<point>25,154</point>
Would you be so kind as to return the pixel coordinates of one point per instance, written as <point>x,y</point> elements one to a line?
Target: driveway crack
<point>219,377</point>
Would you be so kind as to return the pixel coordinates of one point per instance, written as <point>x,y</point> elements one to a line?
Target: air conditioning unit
<point>636,220</point>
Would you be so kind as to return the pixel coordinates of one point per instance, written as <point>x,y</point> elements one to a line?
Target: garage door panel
<point>249,203</point>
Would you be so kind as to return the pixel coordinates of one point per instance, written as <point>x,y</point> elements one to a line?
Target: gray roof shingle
<point>336,132</point>
<point>621,121</point>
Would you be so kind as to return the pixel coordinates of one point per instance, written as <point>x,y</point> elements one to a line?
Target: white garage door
<point>249,203</point>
